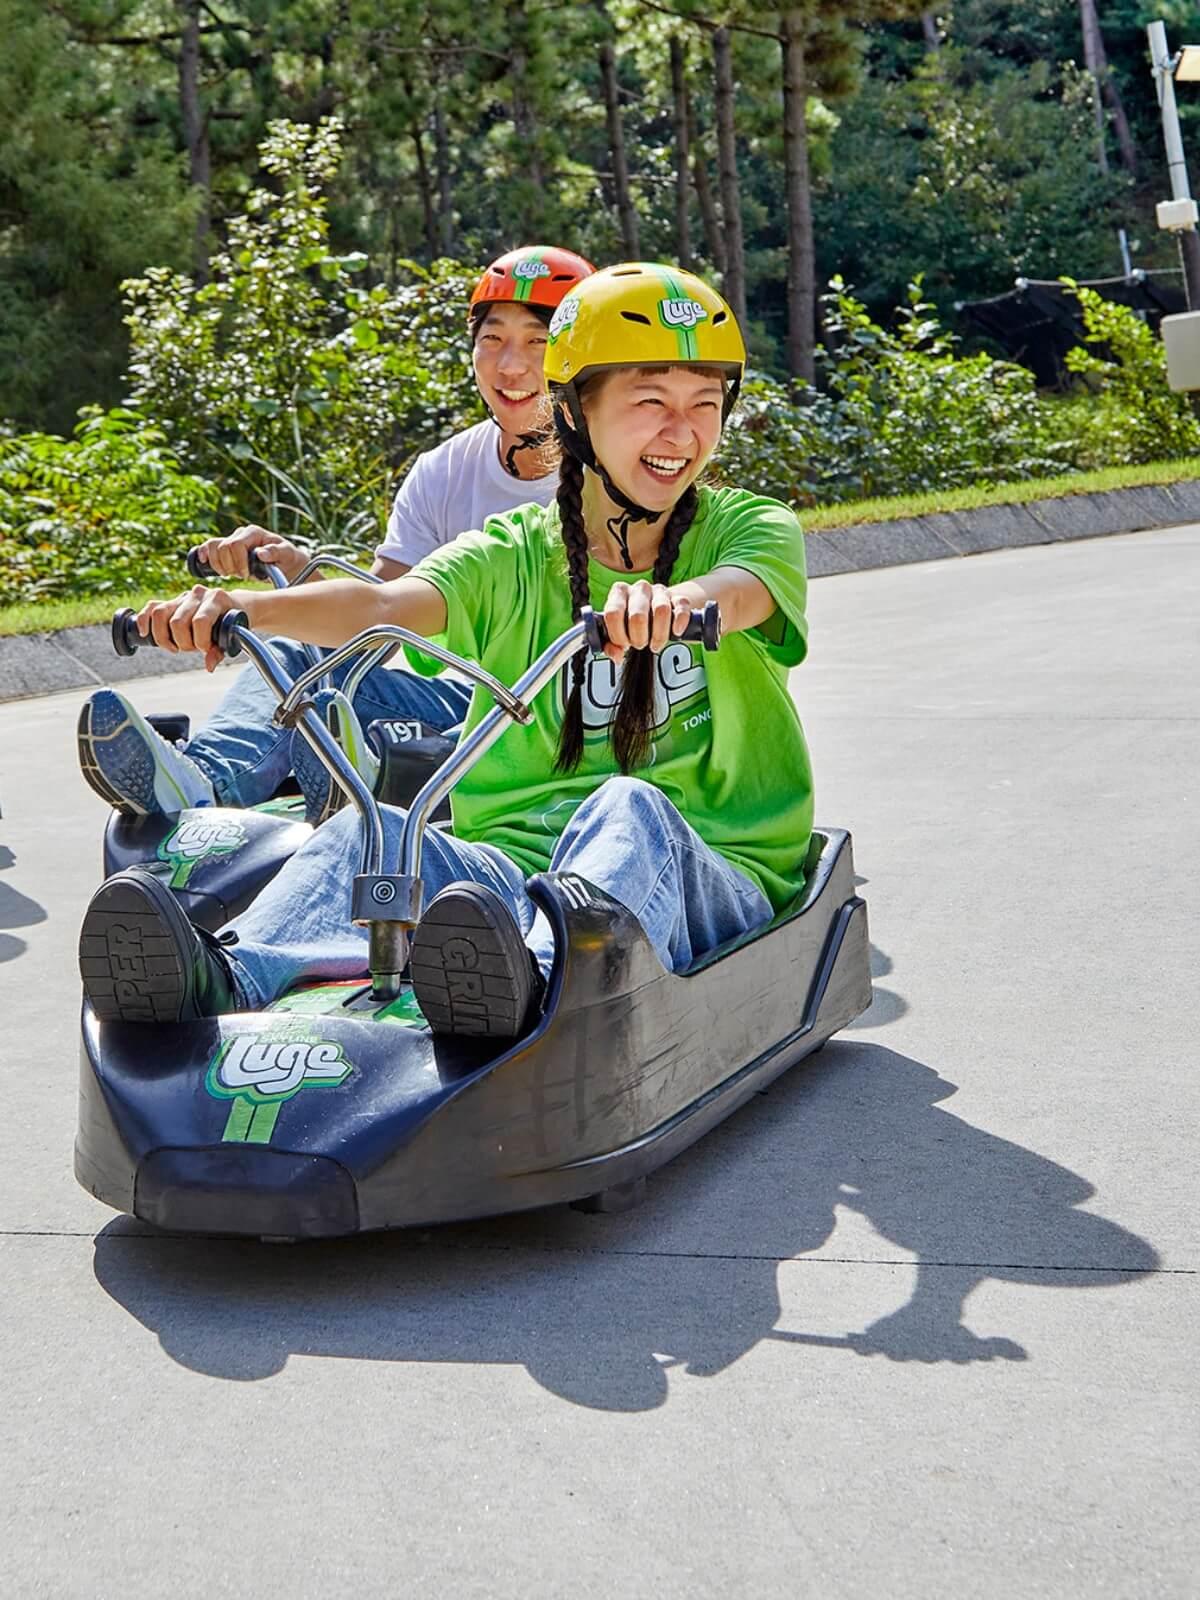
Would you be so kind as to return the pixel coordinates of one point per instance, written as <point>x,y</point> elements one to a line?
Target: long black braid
<point>574,536</point>
<point>633,728</point>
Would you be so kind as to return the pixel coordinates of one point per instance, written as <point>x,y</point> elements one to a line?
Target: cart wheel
<point>621,1197</point>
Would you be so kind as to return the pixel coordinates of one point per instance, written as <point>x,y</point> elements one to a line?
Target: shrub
<point>288,378</point>
<point>106,510</point>
<point>897,413</point>
<point>1126,414</point>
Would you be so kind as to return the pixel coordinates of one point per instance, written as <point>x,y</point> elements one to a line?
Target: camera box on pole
<point>1181,335</point>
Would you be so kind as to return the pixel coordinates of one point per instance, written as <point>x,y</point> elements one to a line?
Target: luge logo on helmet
<point>259,1071</point>
<point>683,313</point>
<point>530,267</point>
<point>564,316</point>
<point>194,839</point>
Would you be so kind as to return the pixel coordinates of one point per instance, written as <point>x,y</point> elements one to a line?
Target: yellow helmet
<point>643,314</point>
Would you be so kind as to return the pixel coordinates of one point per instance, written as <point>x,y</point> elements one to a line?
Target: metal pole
<point>1163,68</point>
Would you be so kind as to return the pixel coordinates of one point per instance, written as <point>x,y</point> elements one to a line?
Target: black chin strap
<point>576,441</point>
<point>525,441</point>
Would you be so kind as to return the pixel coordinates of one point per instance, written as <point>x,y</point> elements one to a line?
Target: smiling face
<point>654,428</point>
<point>510,344</point>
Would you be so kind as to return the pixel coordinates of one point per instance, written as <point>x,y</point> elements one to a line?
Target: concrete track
<point>918,1322</point>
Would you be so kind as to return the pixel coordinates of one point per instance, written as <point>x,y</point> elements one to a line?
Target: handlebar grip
<point>202,571</point>
<point>127,641</point>
<point>704,626</point>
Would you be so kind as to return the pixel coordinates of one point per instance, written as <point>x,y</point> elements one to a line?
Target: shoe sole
<point>87,736</point>
<point>469,976</point>
<point>305,761</point>
<point>129,954</point>
<point>120,766</point>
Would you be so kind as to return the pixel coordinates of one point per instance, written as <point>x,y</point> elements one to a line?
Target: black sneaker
<point>472,972</point>
<point>141,960</point>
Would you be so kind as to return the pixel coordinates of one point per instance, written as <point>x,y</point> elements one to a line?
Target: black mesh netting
<point>1040,320</point>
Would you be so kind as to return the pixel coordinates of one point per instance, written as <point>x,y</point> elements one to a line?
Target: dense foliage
<point>295,395</point>
<point>294,279</point>
<point>957,145</point>
<point>287,376</point>
<point>898,412</point>
<point>106,510</point>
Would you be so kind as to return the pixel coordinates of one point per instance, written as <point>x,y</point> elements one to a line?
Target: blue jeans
<point>626,838</point>
<point>247,755</point>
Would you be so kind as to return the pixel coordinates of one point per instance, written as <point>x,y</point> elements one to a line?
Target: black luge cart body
<point>336,1111</point>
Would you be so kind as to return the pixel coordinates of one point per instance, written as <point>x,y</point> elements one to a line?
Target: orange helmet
<point>535,275</point>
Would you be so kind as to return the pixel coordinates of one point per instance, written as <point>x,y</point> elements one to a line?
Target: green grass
<point>823,518</point>
<point>42,616</point>
<point>50,615</point>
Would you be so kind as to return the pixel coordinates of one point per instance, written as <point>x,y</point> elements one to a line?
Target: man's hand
<point>189,621</point>
<point>230,557</point>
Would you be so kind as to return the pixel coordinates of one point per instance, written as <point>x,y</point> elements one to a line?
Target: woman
<point>241,755</point>
<point>704,844</point>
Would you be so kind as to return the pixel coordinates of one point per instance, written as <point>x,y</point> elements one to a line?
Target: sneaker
<point>131,766</point>
<point>472,972</point>
<point>322,797</point>
<point>141,960</point>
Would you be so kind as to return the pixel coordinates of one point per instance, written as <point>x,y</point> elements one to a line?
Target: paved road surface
<point>918,1322</point>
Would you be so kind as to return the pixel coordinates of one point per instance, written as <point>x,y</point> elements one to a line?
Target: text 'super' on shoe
<point>472,972</point>
<point>131,766</point>
<point>141,960</point>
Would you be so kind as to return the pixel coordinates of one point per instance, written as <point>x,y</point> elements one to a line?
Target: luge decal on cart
<point>196,839</point>
<point>259,1071</point>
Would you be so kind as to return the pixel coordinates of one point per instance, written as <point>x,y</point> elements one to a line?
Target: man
<point>240,756</point>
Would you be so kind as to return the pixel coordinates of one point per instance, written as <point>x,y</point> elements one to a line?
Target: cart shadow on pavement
<point>599,1309</point>
<point>17,910</point>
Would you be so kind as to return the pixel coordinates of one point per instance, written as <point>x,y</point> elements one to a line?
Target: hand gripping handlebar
<point>704,626</point>
<point>127,640</point>
<point>201,570</point>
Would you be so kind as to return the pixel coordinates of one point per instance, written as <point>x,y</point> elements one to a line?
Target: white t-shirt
<point>453,489</point>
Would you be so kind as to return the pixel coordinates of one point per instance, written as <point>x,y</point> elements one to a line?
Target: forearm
<point>745,601</point>
<point>329,613</point>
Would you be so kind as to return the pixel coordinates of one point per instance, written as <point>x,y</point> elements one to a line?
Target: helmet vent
<point>721,316</point>
<point>635,316</point>
<point>627,272</point>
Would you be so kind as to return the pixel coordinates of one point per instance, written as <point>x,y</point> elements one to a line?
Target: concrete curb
<point>43,663</point>
<point>967,533</point>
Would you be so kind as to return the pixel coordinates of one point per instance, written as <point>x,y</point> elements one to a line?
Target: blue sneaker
<point>131,766</point>
<point>322,797</point>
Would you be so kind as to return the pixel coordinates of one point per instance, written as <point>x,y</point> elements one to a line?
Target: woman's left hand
<point>640,615</point>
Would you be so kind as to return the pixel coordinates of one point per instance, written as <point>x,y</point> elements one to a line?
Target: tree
<point>1096,62</point>
<point>86,198</point>
<point>626,209</point>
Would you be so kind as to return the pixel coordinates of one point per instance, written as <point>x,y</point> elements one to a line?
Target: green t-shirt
<point>729,751</point>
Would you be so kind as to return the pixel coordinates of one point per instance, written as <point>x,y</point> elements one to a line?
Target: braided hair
<point>574,537</point>
<point>634,725</point>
